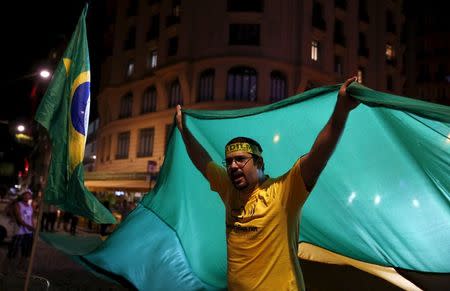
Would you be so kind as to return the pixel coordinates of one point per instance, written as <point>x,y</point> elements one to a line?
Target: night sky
<point>30,30</point>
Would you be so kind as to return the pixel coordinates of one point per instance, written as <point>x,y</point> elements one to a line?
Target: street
<point>58,269</point>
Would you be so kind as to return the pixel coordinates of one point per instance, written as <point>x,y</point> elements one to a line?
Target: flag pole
<point>44,152</point>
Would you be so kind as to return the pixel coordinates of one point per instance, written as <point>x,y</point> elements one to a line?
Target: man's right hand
<point>196,152</point>
<point>179,119</point>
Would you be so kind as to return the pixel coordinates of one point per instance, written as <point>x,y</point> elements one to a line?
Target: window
<point>389,83</point>
<point>441,72</point>
<point>173,46</point>
<point>123,144</point>
<point>206,86</point>
<point>130,42</point>
<point>103,149</point>
<point>362,11</point>
<point>132,7</point>
<point>149,100</point>
<point>360,75</point>
<point>339,36</point>
<point>152,59</point>
<point>315,50</point>
<point>130,69</point>
<point>175,97</point>
<point>424,73</point>
<point>174,16</point>
<point>168,130</point>
<point>242,84</point>
<point>390,23</point>
<point>176,7</point>
<point>146,139</point>
<point>153,30</point>
<point>362,45</point>
<point>245,6</point>
<point>108,147</point>
<point>126,104</point>
<point>243,34</point>
<point>390,54</point>
<point>278,88</point>
<point>317,16</point>
<point>338,65</point>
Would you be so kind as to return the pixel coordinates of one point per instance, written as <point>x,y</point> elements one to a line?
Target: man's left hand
<point>346,101</point>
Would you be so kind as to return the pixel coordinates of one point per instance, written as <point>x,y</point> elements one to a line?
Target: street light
<point>22,136</point>
<point>20,128</point>
<point>45,74</point>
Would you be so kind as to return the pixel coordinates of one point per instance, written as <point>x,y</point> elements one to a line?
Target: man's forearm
<point>315,161</point>
<point>324,146</point>
<point>329,136</point>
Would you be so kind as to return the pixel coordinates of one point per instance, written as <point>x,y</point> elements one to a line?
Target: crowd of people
<point>22,219</point>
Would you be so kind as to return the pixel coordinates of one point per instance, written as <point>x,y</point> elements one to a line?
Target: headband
<point>242,147</point>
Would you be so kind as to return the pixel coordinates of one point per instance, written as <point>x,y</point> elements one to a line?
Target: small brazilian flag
<point>64,112</point>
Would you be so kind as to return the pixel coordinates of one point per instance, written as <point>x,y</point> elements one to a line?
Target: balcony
<point>121,156</point>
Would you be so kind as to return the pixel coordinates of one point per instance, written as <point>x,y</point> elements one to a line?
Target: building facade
<point>223,55</point>
<point>428,53</point>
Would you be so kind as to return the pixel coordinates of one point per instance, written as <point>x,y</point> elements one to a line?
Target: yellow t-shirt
<point>262,232</point>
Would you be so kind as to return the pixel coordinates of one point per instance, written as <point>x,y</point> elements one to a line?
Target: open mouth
<point>237,177</point>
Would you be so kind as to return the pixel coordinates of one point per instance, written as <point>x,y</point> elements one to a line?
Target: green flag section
<point>382,204</point>
<point>64,112</point>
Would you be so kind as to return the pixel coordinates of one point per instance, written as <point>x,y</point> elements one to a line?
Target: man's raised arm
<point>198,155</point>
<point>315,161</point>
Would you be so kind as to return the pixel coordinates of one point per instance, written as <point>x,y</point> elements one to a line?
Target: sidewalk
<point>58,269</point>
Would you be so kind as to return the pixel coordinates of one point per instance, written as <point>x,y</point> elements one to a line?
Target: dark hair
<point>22,194</point>
<point>247,140</point>
<point>252,142</point>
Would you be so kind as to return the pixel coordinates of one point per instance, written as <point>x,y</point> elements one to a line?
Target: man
<point>262,213</point>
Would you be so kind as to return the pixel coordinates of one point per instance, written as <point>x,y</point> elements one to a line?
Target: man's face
<point>242,170</point>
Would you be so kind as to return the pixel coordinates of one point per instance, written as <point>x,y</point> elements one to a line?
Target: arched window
<point>242,84</point>
<point>175,96</point>
<point>126,105</point>
<point>278,88</point>
<point>149,100</point>
<point>206,86</point>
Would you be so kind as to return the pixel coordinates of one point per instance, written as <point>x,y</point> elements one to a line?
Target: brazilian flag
<point>64,112</point>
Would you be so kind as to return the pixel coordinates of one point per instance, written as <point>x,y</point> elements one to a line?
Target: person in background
<point>67,217</point>
<point>124,209</point>
<point>22,215</point>
<point>73,224</point>
<point>51,218</point>
<point>44,217</point>
<point>104,226</point>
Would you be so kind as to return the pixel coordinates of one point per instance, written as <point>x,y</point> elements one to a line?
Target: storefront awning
<point>128,181</point>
